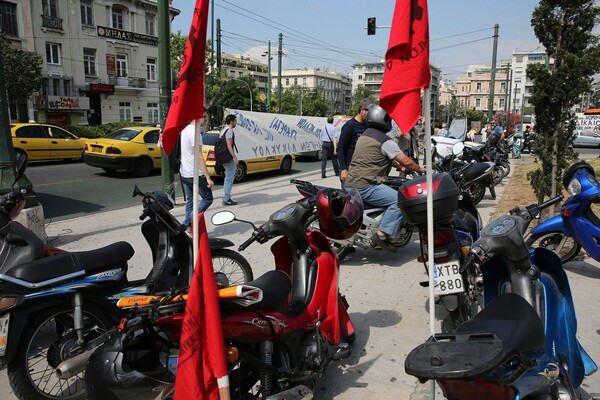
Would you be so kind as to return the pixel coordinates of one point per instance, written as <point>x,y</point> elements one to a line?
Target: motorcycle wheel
<point>497,175</point>
<point>46,342</point>
<point>477,192</point>
<point>551,241</point>
<point>340,250</point>
<point>505,169</point>
<point>231,266</point>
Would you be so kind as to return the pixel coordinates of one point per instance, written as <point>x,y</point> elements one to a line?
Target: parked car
<point>586,139</point>
<point>317,154</point>
<point>46,142</point>
<point>134,149</point>
<point>283,163</point>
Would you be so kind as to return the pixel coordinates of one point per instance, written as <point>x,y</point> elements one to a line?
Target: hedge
<point>95,131</point>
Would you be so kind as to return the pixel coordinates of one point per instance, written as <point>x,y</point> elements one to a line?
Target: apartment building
<point>474,90</point>
<point>235,66</point>
<point>521,85</point>
<point>100,58</point>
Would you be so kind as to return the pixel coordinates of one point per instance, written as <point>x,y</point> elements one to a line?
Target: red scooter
<point>277,347</point>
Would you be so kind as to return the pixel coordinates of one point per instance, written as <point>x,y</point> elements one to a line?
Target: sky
<point>331,34</point>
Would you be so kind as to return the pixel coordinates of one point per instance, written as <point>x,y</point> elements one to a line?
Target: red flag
<point>202,358</point>
<point>188,101</point>
<point>406,63</point>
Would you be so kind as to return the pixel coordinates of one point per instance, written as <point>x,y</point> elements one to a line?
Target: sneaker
<point>229,202</point>
<point>323,176</point>
<point>383,243</point>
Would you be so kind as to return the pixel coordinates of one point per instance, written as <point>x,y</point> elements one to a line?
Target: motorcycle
<point>523,344</point>
<point>372,217</point>
<point>277,347</point>
<point>55,304</point>
<point>576,226</point>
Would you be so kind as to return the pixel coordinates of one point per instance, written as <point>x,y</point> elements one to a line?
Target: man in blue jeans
<point>231,165</point>
<point>374,156</point>
<point>186,172</point>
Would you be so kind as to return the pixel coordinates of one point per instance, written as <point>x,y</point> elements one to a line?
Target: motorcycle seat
<point>92,262</point>
<point>513,320</point>
<point>476,171</point>
<point>275,286</point>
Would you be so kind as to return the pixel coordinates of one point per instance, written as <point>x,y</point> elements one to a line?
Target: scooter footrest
<point>456,356</point>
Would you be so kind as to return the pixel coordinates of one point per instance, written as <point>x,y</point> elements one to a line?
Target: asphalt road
<point>72,189</point>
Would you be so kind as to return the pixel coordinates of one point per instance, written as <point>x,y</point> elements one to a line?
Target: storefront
<point>62,110</point>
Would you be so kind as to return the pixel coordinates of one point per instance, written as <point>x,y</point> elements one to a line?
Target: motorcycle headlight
<point>574,187</point>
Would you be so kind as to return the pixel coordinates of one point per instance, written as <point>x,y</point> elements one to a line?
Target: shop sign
<point>102,88</point>
<point>112,33</point>
<point>67,103</point>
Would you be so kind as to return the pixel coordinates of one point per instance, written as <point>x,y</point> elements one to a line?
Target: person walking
<point>186,172</point>
<point>351,131</point>
<point>229,135</point>
<point>329,148</point>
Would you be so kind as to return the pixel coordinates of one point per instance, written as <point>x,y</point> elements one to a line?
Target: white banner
<point>588,123</point>
<point>260,134</point>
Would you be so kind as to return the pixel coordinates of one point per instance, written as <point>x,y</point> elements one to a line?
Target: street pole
<point>249,89</point>
<point>279,55</point>
<point>300,100</point>
<point>164,77</point>
<point>506,98</point>
<point>7,157</point>
<point>269,79</point>
<point>493,78</point>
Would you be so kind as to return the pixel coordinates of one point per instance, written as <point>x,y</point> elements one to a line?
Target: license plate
<point>4,320</point>
<point>447,278</point>
<point>96,149</point>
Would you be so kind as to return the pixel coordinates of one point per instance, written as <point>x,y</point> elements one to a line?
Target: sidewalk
<point>387,304</point>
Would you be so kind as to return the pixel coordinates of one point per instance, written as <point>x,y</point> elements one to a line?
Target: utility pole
<point>212,34</point>
<point>219,46</point>
<point>506,97</point>
<point>269,79</point>
<point>279,55</point>
<point>7,157</point>
<point>164,76</point>
<point>493,79</point>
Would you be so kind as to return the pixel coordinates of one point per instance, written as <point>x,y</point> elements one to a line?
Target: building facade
<point>100,58</point>
<point>473,91</point>
<point>235,66</point>
<point>521,85</point>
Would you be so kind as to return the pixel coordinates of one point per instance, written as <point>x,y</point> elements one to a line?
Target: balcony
<point>124,82</point>
<point>52,22</point>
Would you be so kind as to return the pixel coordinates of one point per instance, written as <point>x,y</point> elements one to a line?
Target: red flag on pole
<point>406,63</point>
<point>188,100</point>
<point>202,368</point>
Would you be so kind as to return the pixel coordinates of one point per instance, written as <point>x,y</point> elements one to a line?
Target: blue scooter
<point>576,226</point>
<point>523,344</point>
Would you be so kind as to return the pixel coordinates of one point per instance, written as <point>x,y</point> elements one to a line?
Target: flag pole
<point>430,250</point>
<point>195,184</point>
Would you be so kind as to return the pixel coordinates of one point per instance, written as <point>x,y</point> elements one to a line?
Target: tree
<point>564,28</point>
<point>312,104</point>
<point>177,45</point>
<point>361,92</point>
<point>22,72</point>
<point>235,94</point>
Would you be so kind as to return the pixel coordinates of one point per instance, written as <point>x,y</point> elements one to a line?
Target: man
<point>231,165</point>
<point>443,131</point>
<point>329,148</point>
<point>375,154</point>
<point>186,172</point>
<point>351,131</point>
<point>496,134</point>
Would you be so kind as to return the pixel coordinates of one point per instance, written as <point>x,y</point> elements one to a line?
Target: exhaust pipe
<point>74,365</point>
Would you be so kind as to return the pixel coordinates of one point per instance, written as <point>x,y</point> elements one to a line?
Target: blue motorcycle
<point>523,344</point>
<point>576,226</point>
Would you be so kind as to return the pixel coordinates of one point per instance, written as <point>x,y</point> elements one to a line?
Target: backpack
<point>222,154</point>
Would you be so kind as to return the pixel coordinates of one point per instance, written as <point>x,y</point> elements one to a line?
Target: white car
<point>586,139</point>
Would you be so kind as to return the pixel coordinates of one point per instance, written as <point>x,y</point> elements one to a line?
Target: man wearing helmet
<point>374,156</point>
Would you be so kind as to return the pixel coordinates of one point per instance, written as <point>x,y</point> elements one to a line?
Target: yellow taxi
<point>45,142</point>
<point>134,149</point>
<point>282,163</point>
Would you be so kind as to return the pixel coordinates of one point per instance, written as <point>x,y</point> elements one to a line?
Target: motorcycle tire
<point>505,169</point>
<point>46,341</point>
<point>497,175</point>
<point>477,191</point>
<point>231,266</point>
<point>550,241</point>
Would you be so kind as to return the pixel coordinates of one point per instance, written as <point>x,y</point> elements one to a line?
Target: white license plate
<point>96,149</point>
<point>4,320</point>
<point>447,278</point>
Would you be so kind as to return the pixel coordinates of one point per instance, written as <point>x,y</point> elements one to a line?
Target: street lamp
<point>249,89</point>
<point>301,94</point>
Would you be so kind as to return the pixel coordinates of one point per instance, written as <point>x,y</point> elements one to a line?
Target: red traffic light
<point>371,26</point>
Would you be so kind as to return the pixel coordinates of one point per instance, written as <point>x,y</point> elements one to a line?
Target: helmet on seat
<point>340,213</point>
<point>569,172</point>
<point>379,119</point>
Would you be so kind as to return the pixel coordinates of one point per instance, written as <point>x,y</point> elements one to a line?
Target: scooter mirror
<point>222,217</point>
<point>457,148</point>
<point>21,165</point>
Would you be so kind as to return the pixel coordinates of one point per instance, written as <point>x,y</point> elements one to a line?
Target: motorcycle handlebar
<point>552,201</point>
<point>248,242</point>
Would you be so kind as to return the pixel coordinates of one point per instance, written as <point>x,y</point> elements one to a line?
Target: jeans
<point>384,196</point>
<point>204,191</point>
<point>228,181</point>
<point>326,153</point>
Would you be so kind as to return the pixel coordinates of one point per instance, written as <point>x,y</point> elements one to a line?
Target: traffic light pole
<point>269,79</point>
<point>164,76</point>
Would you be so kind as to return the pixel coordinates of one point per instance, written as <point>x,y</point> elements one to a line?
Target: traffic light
<point>371,26</point>
<point>263,107</point>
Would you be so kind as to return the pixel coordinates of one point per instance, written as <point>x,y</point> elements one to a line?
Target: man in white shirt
<point>186,172</point>
<point>329,148</point>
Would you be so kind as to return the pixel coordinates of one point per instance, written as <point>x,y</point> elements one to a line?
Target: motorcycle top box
<point>412,199</point>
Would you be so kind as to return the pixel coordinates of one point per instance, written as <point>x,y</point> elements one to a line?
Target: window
<point>151,69</point>
<point>87,15</point>
<point>8,19</point>
<point>153,113</point>
<point>287,81</point>
<point>519,59</point>
<point>501,104</point>
<point>477,103</point>
<point>463,89</point>
<point>360,77</point>
<point>49,8</point>
<point>149,24</point>
<point>32,132</point>
<point>66,87</point>
<point>121,66</point>
<point>53,53</point>
<point>152,137</point>
<point>56,87</point>
<point>125,111</point>
<point>117,18</point>
<point>503,87</point>
<point>304,81</point>
<point>295,81</point>
<point>89,62</point>
<point>478,87</point>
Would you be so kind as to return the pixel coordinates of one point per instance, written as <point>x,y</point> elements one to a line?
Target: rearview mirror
<point>20,165</point>
<point>457,148</point>
<point>222,218</point>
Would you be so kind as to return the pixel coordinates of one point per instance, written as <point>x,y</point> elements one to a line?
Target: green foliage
<point>177,45</point>
<point>22,72</point>
<point>361,92</point>
<point>95,131</point>
<point>564,27</point>
<point>312,104</point>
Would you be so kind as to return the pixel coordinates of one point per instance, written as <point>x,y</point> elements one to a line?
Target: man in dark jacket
<point>351,131</point>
